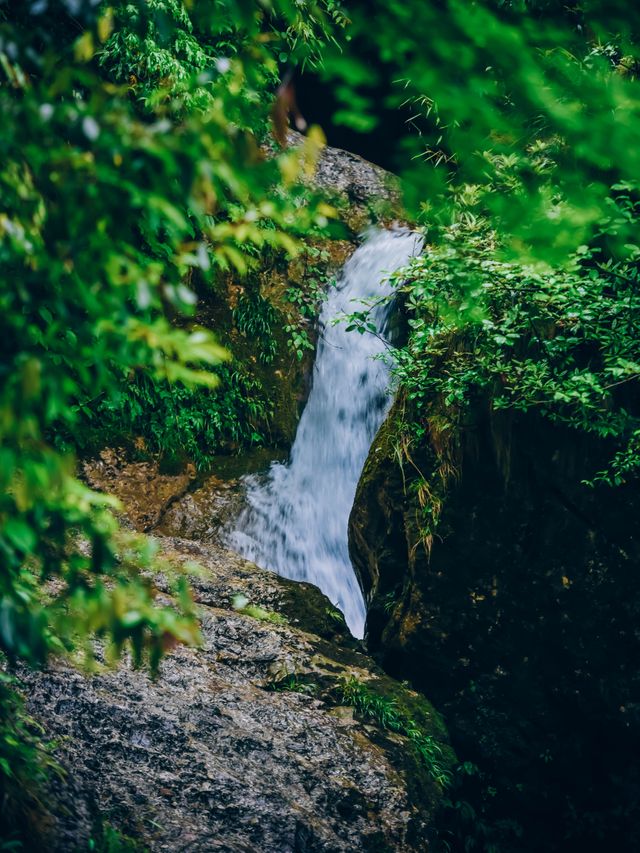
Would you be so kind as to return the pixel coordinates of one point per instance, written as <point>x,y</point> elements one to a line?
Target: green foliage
<point>299,340</point>
<point>169,48</point>
<point>386,713</point>
<point>25,764</point>
<point>306,298</point>
<point>242,605</point>
<point>107,839</point>
<point>293,684</point>
<point>335,615</point>
<point>519,335</point>
<point>549,88</point>
<point>310,29</point>
<point>314,281</point>
<point>561,341</point>
<point>129,159</point>
<point>178,422</point>
<point>106,212</point>
<point>255,317</point>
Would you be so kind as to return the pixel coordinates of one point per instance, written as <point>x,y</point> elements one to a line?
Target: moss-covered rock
<point>266,320</point>
<point>287,292</point>
<point>363,194</point>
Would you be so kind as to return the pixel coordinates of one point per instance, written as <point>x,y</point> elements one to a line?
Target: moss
<point>335,661</point>
<point>384,448</point>
<point>108,839</point>
<point>242,605</point>
<point>309,609</point>
<point>284,380</point>
<point>330,658</point>
<point>411,733</point>
<point>412,705</point>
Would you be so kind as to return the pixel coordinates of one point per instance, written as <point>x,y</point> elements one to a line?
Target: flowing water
<point>296,518</point>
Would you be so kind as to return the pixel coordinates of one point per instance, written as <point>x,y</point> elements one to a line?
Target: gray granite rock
<point>214,755</point>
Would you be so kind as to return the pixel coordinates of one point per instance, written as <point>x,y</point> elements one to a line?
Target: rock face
<point>367,189</point>
<point>182,504</point>
<point>242,745</point>
<point>520,618</point>
<point>364,192</point>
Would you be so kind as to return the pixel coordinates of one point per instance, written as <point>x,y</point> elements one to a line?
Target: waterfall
<point>296,518</point>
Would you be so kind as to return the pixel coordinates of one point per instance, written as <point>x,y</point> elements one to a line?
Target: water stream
<point>295,522</point>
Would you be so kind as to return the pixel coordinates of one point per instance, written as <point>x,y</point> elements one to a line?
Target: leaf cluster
<point>385,712</point>
<point>563,341</point>
<point>113,197</point>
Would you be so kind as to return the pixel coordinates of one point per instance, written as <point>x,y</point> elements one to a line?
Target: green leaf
<point>20,534</point>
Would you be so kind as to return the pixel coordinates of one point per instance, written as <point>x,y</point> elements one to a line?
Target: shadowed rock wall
<point>519,619</point>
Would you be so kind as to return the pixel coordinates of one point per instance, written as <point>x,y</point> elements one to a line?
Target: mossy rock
<point>229,749</point>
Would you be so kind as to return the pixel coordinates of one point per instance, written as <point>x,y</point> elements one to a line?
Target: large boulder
<point>245,744</point>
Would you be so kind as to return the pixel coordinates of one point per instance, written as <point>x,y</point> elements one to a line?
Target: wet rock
<point>215,754</point>
<point>140,486</point>
<point>185,504</point>
<point>364,193</point>
<point>203,511</point>
<point>360,180</point>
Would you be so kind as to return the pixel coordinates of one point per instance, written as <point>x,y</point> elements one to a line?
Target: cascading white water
<point>296,518</point>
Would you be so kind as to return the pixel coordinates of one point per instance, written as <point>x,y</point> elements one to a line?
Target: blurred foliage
<point>130,161</point>
<point>25,764</point>
<point>198,51</point>
<point>495,80</point>
<point>107,211</point>
<point>107,839</point>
